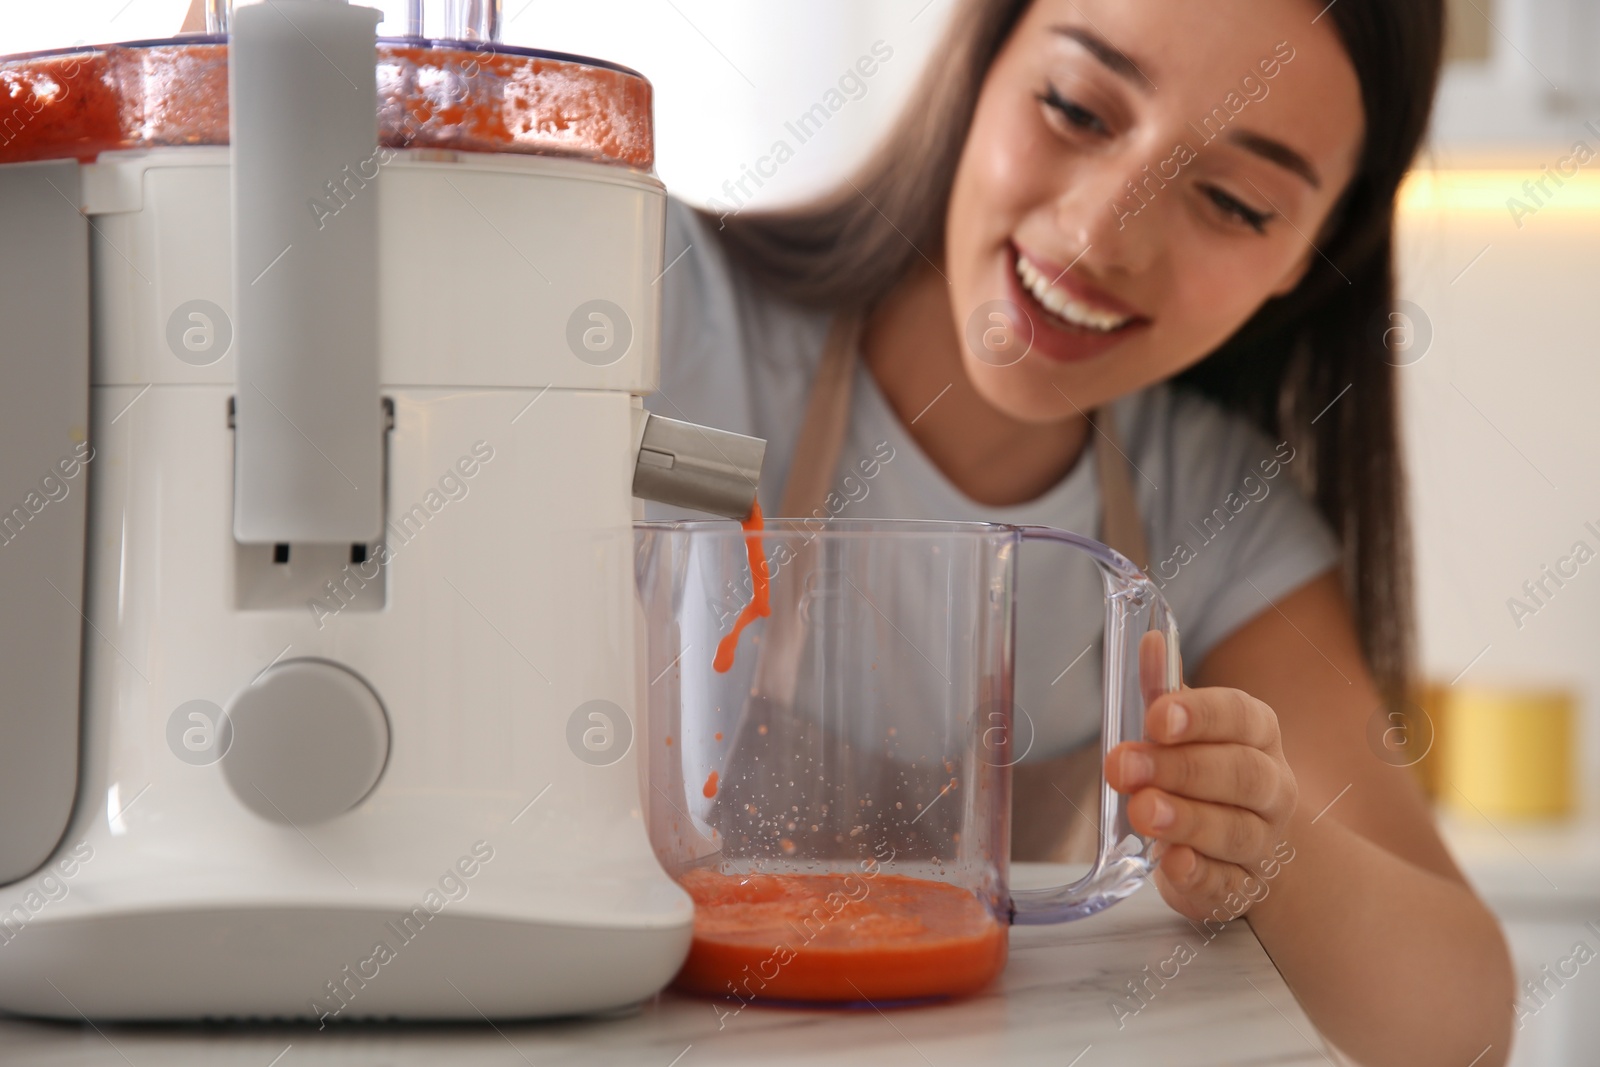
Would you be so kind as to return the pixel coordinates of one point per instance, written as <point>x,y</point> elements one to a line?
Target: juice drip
<point>837,938</point>
<point>760,601</point>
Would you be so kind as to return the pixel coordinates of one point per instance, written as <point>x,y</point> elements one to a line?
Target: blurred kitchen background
<point>1501,271</point>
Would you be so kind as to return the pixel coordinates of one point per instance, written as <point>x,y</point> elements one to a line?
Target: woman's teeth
<point>1059,303</point>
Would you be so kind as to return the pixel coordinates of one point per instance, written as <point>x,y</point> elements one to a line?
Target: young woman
<point>1183,215</point>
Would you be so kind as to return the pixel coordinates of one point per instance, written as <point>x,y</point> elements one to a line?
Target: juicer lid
<point>465,96</point>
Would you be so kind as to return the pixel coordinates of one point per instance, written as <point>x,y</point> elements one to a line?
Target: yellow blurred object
<point>1425,718</point>
<point>1445,191</point>
<point>1509,752</point>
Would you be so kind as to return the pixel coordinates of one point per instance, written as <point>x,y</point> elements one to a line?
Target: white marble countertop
<point>1226,1005</point>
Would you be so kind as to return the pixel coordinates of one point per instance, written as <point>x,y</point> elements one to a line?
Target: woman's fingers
<point>1200,888</point>
<point>1210,784</point>
<point>1153,666</point>
<point>1219,831</point>
<point>1212,715</point>
<point>1224,773</point>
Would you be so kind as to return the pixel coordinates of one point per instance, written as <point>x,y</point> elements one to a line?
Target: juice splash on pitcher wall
<point>760,605</point>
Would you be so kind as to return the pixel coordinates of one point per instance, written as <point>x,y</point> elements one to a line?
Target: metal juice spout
<point>697,467</point>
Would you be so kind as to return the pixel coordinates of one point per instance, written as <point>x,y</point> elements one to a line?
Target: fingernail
<point>1160,814</point>
<point>1137,768</point>
<point>1177,719</point>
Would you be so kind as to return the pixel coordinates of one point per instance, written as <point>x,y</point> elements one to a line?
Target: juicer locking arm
<point>692,466</point>
<point>308,439</point>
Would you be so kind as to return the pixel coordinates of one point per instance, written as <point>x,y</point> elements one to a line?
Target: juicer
<point>320,437</point>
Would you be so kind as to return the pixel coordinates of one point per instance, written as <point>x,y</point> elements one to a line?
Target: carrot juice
<point>760,604</point>
<point>837,937</point>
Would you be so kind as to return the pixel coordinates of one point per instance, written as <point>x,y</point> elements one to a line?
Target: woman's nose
<point>1110,210</point>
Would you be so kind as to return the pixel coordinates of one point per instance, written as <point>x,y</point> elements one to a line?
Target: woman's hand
<point>1212,787</point>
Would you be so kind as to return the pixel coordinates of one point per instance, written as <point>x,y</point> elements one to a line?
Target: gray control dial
<point>310,739</point>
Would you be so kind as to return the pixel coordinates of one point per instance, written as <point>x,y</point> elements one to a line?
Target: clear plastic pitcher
<point>832,786</point>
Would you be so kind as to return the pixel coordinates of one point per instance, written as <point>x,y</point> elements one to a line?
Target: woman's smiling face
<point>1238,123</point>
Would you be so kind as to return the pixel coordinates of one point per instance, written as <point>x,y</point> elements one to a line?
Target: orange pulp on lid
<point>837,937</point>
<point>760,604</point>
<point>79,103</point>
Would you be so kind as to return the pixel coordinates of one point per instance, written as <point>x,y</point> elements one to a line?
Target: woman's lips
<point>1054,337</point>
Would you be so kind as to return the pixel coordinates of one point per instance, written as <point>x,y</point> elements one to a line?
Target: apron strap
<point>827,418</point>
<point>1120,524</point>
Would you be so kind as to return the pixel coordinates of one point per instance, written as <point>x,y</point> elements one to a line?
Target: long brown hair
<point>1313,367</point>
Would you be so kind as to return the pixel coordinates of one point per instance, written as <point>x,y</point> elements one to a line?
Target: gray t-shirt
<point>1228,531</point>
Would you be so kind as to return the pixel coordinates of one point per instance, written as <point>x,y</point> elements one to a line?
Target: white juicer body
<point>499,866</point>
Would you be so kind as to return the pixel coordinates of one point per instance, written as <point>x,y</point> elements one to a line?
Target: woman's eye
<point>1071,113</point>
<point>1238,210</point>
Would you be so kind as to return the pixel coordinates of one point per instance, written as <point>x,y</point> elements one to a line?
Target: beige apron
<point>1055,803</point>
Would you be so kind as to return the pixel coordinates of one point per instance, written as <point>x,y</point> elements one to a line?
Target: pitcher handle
<point>1140,632</point>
